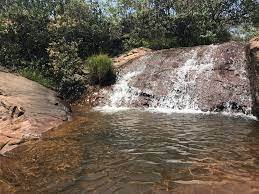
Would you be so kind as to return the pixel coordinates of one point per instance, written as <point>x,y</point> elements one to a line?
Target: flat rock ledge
<point>27,110</point>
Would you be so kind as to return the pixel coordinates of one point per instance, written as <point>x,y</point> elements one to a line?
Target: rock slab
<point>27,109</point>
<point>208,78</point>
<point>253,56</point>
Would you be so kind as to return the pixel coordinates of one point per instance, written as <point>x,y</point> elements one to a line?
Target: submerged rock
<point>203,78</point>
<point>27,109</point>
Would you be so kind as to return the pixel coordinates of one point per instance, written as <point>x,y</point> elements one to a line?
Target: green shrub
<point>101,70</point>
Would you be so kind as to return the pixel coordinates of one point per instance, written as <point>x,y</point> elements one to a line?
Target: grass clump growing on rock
<point>100,70</point>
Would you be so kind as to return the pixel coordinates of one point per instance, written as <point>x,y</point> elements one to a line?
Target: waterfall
<point>183,98</point>
<point>201,79</point>
<point>123,94</point>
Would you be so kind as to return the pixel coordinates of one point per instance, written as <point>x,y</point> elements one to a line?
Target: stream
<point>135,151</point>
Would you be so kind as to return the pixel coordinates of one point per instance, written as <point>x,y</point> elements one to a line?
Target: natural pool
<point>135,151</point>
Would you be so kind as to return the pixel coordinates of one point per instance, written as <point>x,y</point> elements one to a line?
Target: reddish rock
<point>254,43</point>
<point>132,55</point>
<point>27,109</point>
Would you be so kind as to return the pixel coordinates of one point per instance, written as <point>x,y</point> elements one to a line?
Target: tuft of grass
<point>37,76</point>
<point>100,69</point>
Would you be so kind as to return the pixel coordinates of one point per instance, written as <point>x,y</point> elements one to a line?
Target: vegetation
<point>100,69</point>
<point>244,32</point>
<point>37,76</point>
<point>52,39</point>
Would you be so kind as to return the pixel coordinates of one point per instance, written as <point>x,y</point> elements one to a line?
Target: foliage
<point>64,59</point>
<point>37,76</point>
<point>100,69</point>
<point>162,24</point>
<point>71,90</point>
<point>24,35</point>
<point>56,36</point>
<point>198,29</point>
<point>65,64</point>
<point>244,33</point>
<point>84,24</point>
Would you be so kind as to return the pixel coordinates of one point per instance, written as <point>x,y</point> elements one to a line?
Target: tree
<point>55,36</point>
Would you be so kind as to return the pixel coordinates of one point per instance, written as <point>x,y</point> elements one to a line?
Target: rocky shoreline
<point>27,110</point>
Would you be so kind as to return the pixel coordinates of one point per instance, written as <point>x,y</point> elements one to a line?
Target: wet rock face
<point>207,78</point>
<point>253,56</point>
<point>27,109</point>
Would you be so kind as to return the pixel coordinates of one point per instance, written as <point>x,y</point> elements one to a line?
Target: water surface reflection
<point>138,152</point>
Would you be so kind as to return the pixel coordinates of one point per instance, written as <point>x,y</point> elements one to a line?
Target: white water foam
<point>183,96</point>
<point>122,94</point>
<point>182,99</point>
<point>111,110</point>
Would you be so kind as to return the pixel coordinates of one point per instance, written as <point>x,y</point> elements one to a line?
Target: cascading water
<point>183,94</point>
<point>123,94</point>
<point>199,79</point>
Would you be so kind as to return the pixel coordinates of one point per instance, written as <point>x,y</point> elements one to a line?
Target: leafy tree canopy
<point>55,37</point>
